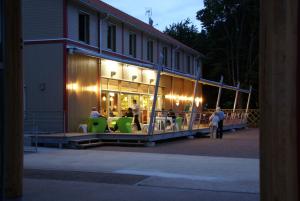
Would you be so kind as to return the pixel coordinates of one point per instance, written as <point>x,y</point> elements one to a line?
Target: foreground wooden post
<point>279,100</point>
<point>1,106</point>
<point>12,94</point>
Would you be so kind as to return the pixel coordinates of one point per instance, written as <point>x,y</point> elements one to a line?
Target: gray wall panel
<point>42,19</point>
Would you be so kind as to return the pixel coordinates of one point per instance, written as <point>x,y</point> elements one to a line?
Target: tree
<point>229,40</point>
<point>232,41</point>
<point>188,34</point>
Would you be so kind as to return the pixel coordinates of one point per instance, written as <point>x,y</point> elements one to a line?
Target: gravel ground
<point>240,144</point>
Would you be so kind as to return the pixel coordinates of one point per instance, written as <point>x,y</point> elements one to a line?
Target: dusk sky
<point>164,12</point>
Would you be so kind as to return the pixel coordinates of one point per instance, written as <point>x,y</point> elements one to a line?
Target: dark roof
<point>106,8</point>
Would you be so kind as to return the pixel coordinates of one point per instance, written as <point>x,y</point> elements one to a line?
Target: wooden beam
<point>13,102</point>
<point>279,100</point>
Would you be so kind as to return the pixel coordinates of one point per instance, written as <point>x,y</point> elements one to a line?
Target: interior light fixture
<point>134,77</point>
<point>112,74</point>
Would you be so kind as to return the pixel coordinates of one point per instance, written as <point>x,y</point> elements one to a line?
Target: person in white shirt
<point>94,113</point>
<point>214,121</point>
<point>136,113</point>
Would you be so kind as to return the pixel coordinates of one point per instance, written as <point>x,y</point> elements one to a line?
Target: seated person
<point>95,114</point>
<point>171,113</point>
<point>129,113</point>
<point>111,113</point>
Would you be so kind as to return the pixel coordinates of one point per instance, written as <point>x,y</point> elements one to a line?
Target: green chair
<point>124,124</point>
<point>97,125</point>
<point>179,122</point>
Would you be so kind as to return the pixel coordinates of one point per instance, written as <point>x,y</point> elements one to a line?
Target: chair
<point>179,122</point>
<point>97,125</point>
<point>124,124</point>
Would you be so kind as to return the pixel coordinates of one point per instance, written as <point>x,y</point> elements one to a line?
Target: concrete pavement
<point>124,175</point>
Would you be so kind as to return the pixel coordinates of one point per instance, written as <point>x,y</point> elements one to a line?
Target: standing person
<point>213,125</point>
<point>136,113</point>
<point>221,116</point>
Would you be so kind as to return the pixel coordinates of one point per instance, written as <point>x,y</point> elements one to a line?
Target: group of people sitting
<point>216,123</point>
<point>131,112</point>
<point>95,114</point>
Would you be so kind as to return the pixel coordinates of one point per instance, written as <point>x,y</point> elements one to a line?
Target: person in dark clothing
<point>221,116</point>
<point>129,113</point>
<point>136,113</point>
<point>171,113</point>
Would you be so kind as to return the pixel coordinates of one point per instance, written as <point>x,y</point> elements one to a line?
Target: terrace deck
<point>82,140</point>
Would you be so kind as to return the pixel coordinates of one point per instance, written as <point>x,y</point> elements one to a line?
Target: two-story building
<point>84,53</point>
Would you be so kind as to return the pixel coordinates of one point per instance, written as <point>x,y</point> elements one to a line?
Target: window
<point>188,64</point>
<point>177,60</point>
<point>165,56</point>
<point>150,50</point>
<point>84,27</point>
<point>111,37</point>
<point>132,44</point>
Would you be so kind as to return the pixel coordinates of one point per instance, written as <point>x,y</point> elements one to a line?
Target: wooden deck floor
<point>66,139</point>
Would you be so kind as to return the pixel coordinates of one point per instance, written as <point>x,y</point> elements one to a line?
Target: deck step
<point>94,144</point>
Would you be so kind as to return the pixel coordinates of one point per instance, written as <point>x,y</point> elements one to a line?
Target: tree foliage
<point>228,39</point>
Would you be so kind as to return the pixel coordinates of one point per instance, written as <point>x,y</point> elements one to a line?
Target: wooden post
<point>236,97</point>
<point>220,92</point>
<point>1,106</point>
<point>279,100</point>
<point>153,114</point>
<point>248,101</point>
<point>13,100</point>
<point>194,98</point>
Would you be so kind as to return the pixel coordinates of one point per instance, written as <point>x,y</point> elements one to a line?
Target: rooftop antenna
<point>149,15</point>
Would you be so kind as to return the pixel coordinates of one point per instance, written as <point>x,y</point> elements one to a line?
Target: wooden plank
<point>279,137</point>
<point>13,92</point>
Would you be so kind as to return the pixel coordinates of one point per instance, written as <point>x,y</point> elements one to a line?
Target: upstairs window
<point>84,27</point>
<point>177,60</point>
<point>165,56</point>
<point>111,37</point>
<point>188,64</point>
<point>150,51</point>
<point>132,44</point>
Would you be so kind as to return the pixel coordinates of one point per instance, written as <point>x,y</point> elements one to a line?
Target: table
<point>111,121</point>
<point>162,122</point>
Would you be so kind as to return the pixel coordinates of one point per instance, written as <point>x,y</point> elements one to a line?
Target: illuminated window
<point>84,27</point>
<point>111,37</point>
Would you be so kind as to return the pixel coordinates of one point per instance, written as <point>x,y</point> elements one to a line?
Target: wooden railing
<point>252,118</point>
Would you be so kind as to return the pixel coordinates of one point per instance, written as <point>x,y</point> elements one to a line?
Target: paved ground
<point>240,144</point>
<point>200,169</point>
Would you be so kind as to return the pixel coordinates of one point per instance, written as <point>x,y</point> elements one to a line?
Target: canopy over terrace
<point>157,88</point>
